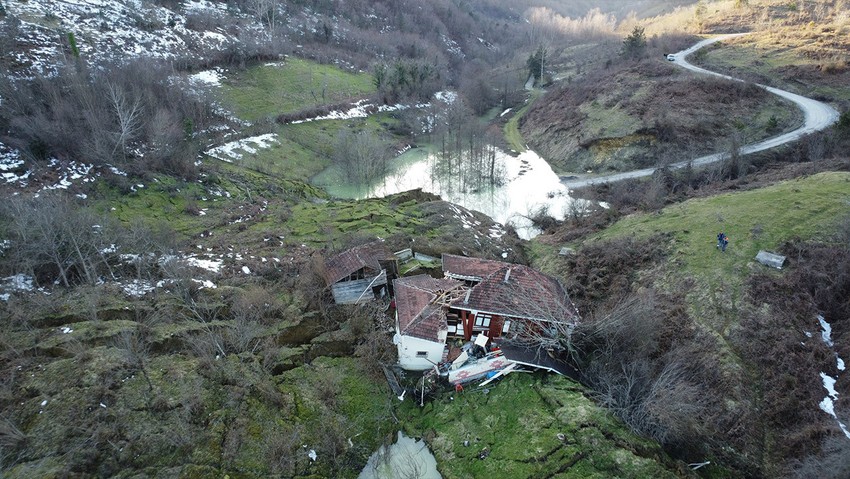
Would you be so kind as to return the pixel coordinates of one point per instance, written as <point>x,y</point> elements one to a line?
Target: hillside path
<point>818,116</point>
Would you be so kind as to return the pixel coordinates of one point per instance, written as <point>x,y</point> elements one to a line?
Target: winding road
<point>818,116</point>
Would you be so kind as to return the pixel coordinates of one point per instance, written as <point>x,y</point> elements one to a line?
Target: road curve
<point>818,116</point>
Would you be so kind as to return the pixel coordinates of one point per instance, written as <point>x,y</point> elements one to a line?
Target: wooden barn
<point>360,274</point>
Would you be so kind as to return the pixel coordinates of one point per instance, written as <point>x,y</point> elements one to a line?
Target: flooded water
<point>406,458</point>
<point>528,184</point>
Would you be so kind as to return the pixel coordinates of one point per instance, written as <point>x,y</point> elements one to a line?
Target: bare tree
<point>363,156</point>
<point>651,392</point>
<point>266,11</point>
<point>543,318</point>
<point>50,233</point>
<point>128,114</point>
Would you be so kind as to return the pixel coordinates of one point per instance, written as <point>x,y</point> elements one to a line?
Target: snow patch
<point>207,264</point>
<point>828,403</point>
<point>827,331</point>
<point>206,77</point>
<point>230,152</point>
<point>14,284</point>
<point>449,97</point>
<point>205,283</point>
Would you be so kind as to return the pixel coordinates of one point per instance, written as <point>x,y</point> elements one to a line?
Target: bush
<point>110,115</point>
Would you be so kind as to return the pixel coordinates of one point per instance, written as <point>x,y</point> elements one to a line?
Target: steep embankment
<point>748,335</point>
<point>818,116</point>
<point>647,113</point>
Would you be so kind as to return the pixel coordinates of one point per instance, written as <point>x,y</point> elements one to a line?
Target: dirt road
<point>818,116</point>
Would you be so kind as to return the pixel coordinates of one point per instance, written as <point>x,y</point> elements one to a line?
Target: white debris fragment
<point>246,270</point>
<point>312,455</point>
<point>44,403</point>
<point>66,330</point>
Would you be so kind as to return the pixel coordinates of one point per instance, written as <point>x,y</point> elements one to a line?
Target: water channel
<point>527,185</point>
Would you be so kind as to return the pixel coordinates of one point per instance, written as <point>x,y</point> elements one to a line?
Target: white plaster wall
<point>408,347</point>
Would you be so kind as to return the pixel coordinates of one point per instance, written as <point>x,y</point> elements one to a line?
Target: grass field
<point>805,208</point>
<point>305,149</point>
<point>275,88</point>
<point>762,219</point>
<point>512,135</point>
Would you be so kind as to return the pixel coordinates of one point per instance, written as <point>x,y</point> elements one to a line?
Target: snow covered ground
<point>828,403</point>
<point>110,30</point>
<point>235,150</point>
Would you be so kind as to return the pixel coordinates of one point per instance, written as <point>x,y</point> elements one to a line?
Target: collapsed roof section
<point>420,301</point>
<point>469,269</point>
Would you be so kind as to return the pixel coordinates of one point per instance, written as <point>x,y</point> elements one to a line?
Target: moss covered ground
<point>130,396</point>
<point>532,426</point>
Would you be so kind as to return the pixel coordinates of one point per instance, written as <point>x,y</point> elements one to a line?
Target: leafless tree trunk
<point>128,115</point>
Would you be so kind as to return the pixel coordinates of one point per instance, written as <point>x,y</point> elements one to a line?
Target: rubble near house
<point>361,274</point>
<point>466,324</point>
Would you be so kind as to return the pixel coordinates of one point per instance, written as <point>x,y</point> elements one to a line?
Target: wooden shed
<point>360,274</point>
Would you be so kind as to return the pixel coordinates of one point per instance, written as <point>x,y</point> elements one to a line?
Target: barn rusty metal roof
<point>351,260</point>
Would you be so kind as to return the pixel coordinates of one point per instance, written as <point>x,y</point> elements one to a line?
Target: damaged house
<point>360,274</point>
<point>509,309</point>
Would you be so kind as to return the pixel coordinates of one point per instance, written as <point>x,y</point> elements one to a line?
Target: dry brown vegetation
<point>749,400</point>
<point>645,113</point>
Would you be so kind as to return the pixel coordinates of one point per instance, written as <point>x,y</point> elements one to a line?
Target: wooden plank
<point>352,292</point>
<point>393,382</point>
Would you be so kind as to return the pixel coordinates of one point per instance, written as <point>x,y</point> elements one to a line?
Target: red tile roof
<point>521,292</point>
<point>350,261</point>
<point>418,316</point>
<point>469,268</point>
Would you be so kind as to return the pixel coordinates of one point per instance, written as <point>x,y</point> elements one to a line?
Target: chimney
<point>466,299</point>
<point>507,275</point>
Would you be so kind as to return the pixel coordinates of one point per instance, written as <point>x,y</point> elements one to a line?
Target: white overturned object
<point>770,259</point>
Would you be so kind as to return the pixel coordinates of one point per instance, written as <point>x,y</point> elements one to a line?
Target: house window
<point>482,320</point>
<point>507,326</point>
<point>421,354</point>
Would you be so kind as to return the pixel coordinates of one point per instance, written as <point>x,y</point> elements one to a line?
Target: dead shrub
<point>635,371</point>
<point>606,270</point>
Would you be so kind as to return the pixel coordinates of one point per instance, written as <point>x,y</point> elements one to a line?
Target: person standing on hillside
<point>720,237</point>
<point>724,243</point>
